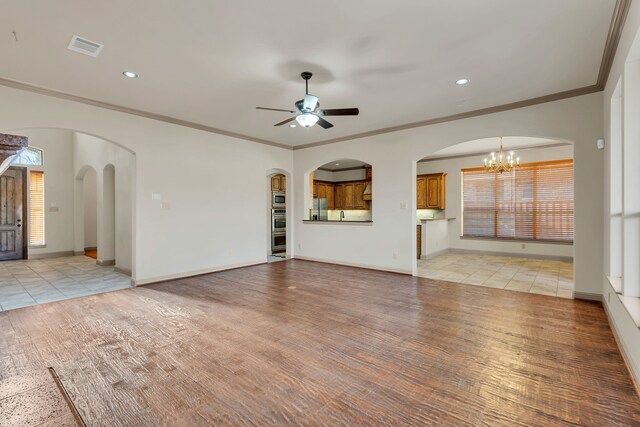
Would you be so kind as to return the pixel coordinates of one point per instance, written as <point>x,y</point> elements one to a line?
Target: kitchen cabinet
<point>358,192</point>
<point>419,240</point>
<point>421,192</point>
<point>342,196</point>
<point>279,183</point>
<point>349,196</point>
<point>338,201</point>
<point>430,191</point>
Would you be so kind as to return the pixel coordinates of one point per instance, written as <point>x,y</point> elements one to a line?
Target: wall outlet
<point>403,206</point>
<point>299,245</point>
<point>524,246</point>
<point>395,255</point>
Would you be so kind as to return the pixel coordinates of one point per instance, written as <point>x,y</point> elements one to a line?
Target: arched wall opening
<point>450,184</point>
<point>86,174</point>
<point>339,190</point>
<point>278,212</point>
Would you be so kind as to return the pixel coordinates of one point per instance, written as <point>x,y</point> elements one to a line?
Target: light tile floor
<point>537,276</point>
<point>29,282</point>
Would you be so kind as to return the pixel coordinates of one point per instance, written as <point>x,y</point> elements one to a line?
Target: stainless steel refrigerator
<point>319,210</point>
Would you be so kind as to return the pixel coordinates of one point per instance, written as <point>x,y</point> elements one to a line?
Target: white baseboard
<point>587,296</point>
<point>350,264</point>
<point>51,255</point>
<point>513,254</point>
<point>125,271</point>
<point>157,279</point>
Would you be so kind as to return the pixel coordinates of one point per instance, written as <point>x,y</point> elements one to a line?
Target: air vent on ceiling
<point>82,45</point>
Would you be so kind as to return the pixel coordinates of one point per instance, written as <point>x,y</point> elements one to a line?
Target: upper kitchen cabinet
<point>430,191</point>
<point>345,185</point>
<point>279,183</point>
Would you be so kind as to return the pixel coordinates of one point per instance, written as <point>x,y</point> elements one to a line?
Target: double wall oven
<point>278,230</point>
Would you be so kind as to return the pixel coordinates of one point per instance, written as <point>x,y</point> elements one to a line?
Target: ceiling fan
<point>309,112</point>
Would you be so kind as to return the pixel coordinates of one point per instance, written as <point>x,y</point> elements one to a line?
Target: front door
<point>12,203</point>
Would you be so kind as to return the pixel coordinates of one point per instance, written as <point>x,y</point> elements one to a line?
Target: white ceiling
<point>487,145</point>
<point>343,164</point>
<point>212,62</point>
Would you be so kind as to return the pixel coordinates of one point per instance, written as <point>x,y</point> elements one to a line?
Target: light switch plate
<point>156,196</point>
<point>165,205</point>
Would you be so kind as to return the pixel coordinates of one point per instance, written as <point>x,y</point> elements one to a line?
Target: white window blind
<point>36,208</point>
<point>533,202</point>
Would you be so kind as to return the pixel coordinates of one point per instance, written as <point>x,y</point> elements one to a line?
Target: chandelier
<point>501,162</point>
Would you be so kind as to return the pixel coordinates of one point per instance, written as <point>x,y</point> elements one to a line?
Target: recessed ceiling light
<point>337,164</point>
<point>292,125</point>
<point>130,74</point>
<point>462,82</point>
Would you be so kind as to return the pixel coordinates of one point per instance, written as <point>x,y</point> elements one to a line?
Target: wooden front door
<point>12,218</point>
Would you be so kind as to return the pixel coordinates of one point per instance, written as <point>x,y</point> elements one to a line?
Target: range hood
<point>366,194</point>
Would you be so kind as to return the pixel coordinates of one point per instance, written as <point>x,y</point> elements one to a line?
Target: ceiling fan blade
<point>323,123</point>
<point>310,102</point>
<point>274,109</point>
<point>284,122</point>
<point>340,112</point>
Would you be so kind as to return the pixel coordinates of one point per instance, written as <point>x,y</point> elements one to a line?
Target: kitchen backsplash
<point>429,213</point>
<point>349,215</point>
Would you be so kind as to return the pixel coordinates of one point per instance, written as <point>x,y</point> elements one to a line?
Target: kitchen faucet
<point>341,215</point>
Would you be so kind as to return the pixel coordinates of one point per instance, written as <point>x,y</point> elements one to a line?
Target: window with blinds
<point>36,208</point>
<point>533,202</point>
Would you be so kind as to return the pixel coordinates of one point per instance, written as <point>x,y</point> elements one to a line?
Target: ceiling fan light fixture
<point>307,119</point>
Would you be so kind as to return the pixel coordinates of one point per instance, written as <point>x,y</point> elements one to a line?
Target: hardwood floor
<point>306,343</point>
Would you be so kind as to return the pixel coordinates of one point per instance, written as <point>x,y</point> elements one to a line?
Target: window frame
<point>32,148</point>
<point>495,212</point>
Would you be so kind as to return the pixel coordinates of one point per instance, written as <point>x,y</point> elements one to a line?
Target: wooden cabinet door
<point>283,183</point>
<point>348,196</point>
<point>339,196</point>
<point>330,204</point>
<point>436,191</point>
<point>315,189</point>
<point>433,192</point>
<point>358,201</point>
<point>275,183</point>
<point>322,190</point>
<point>421,192</point>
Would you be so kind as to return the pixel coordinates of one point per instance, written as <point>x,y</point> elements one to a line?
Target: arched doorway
<point>278,215</point>
<point>512,229</point>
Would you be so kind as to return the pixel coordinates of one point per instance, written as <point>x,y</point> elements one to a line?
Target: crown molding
<point>480,153</point>
<point>481,112</point>
<point>620,12</point>
<point>63,95</point>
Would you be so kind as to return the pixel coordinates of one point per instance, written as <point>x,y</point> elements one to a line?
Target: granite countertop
<point>435,219</point>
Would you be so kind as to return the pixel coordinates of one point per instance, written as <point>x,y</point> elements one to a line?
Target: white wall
<point>627,331</point>
<point>452,167</point>
<point>90,204</point>
<point>58,187</point>
<point>389,243</point>
<point>214,184</point>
